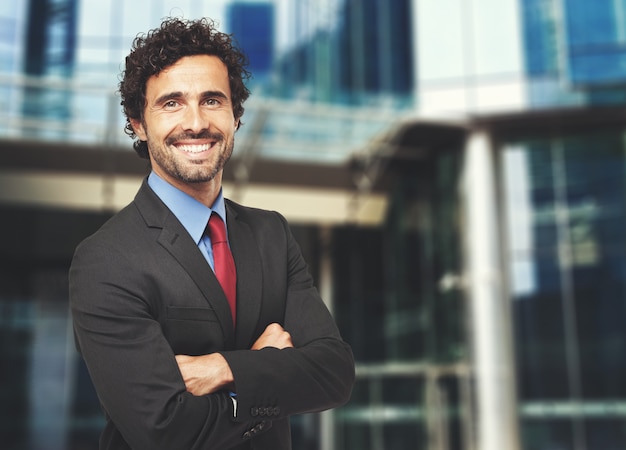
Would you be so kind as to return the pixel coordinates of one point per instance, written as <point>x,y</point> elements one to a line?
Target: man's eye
<point>212,102</point>
<point>171,104</point>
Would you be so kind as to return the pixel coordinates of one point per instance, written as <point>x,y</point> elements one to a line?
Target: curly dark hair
<point>162,47</point>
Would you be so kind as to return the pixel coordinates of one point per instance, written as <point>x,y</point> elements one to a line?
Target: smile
<point>196,148</point>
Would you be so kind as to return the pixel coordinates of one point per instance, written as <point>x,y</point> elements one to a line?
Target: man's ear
<point>139,129</point>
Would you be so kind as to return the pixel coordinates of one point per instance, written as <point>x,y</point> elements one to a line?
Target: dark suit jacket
<point>141,292</point>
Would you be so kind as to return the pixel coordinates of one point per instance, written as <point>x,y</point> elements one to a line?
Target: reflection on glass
<point>566,216</point>
<point>401,305</point>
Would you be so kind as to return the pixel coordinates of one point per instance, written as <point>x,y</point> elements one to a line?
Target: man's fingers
<point>273,336</point>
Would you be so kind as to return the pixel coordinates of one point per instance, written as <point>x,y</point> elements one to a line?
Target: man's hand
<point>205,374</point>
<point>273,336</point>
<point>210,373</point>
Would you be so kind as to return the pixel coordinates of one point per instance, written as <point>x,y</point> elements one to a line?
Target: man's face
<point>188,120</point>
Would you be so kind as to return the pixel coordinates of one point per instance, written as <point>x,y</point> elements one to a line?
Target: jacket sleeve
<point>131,364</point>
<point>317,374</point>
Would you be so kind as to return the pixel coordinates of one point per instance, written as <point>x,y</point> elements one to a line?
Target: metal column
<point>490,318</point>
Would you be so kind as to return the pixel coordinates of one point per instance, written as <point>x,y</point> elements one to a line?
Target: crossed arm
<point>210,373</point>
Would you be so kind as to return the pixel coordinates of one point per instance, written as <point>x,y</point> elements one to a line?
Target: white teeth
<point>194,148</point>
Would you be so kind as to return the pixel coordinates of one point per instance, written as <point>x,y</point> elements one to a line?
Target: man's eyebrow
<point>169,96</point>
<point>214,94</point>
<point>178,95</point>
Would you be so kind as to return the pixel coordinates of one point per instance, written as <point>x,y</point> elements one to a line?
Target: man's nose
<point>195,120</point>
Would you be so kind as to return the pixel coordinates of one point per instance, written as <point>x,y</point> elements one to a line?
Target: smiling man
<point>197,317</point>
<point>189,125</point>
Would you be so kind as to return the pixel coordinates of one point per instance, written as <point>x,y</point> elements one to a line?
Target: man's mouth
<point>194,148</point>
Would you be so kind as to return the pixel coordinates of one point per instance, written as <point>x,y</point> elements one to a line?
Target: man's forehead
<point>196,63</point>
<point>193,74</point>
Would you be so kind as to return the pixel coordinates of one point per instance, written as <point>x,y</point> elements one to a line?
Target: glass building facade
<point>400,305</point>
<point>556,304</point>
<point>565,211</point>
<point>484,308</point>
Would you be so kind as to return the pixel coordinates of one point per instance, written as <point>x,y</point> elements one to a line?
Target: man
<point>174,365</point>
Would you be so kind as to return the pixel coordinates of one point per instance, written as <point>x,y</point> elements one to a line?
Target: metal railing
<point>66,110</point>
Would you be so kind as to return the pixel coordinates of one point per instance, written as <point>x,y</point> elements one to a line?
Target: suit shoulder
<point>116,228</point>
<point>248,212</point>
<point>262,222</point>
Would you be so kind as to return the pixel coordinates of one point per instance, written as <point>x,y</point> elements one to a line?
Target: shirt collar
<point>192,214</point>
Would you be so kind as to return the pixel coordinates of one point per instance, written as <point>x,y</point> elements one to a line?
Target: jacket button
<point>247,435</point>
<point>276,410</point>
<point>254,411</point>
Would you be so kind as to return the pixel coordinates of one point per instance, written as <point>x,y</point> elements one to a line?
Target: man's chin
<point>198,180</point>
<point>197,177</point>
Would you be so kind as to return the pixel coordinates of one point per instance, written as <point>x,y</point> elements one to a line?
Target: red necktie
<point>223,262</point>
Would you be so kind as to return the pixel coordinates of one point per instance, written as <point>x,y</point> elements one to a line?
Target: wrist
<point>227,380</point>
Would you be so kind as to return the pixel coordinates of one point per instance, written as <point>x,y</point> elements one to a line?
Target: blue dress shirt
<point>192,214</point>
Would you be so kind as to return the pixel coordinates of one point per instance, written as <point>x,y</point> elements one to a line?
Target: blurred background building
<point>454,170</point>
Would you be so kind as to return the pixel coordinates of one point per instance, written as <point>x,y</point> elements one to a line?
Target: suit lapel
<point>175,239</point>
<point>249,277</point>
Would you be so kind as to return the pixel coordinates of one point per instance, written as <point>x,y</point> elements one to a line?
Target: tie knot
<point>217,230</point>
